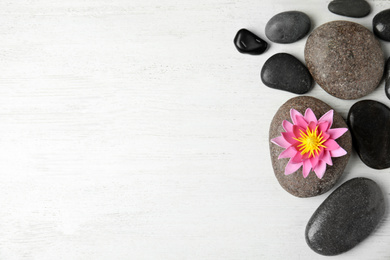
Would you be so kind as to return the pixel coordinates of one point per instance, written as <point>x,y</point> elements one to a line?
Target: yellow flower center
<point>310,142</point>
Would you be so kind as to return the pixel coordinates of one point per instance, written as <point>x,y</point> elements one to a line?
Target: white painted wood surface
<point>135,130</point>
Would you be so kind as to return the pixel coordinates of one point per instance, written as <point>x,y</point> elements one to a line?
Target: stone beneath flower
<point>294,183</point>
<point>309,143</point>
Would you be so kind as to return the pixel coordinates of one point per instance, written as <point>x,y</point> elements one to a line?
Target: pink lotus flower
<point>309,142</point>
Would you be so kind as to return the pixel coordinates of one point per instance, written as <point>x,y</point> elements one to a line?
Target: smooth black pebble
<point>287,27</point>
<point>387,78</point>
<point>285,72</point>
<point>381,25</point>
<point>369,122</point>
<point>350,8</point>
<point>346,217</point>
<point>247,42</point>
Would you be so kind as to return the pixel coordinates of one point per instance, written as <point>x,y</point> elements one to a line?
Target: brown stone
<point>345,59</point>
<point>295,183</point>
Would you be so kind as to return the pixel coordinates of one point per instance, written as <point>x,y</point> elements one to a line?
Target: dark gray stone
<point>381,25</point>
<point>295,183</point>
<point>387,78</point>
<point>346,217</point>
<point>369,122</point>
<point>287,27</point>
<point>285,72</point>
<point>345,59</point>
<point>350,8</point>
<point>247,42</point>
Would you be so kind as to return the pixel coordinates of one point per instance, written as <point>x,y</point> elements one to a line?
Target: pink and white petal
<point>297,158</point>
<point>288,153</point>
<point>301,121</point>
<point>323,127</point>
<point>327,117</point>
<point>320,169</point>
<point>327,158</point>
<point>331,145</point>
<point>291,167</point>
<point>287,126</point>
<point>338,152</point>
<point>294,113</point>
<point>310,116</point>
<point>306,168</point>
<point>289,137</point>
<point>336,132</point>
<point>280,141</point>
<point>314,161</point>
<point>297,131</point>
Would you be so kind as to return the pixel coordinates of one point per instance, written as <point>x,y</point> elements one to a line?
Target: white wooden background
<point>135,130</point>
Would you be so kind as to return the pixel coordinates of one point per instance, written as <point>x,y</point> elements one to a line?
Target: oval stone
<point>381,25</point>
<point>248,42</point>
<point>350,8</point>
<point>345,59</point>
<point>287,27</point>
<point>295,183</point>
<point>285,72</point>
<point>369,122</point>
<point>346,217</point>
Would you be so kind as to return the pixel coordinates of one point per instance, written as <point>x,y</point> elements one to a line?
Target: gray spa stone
<point>287,27</point>
<point>346,217</point>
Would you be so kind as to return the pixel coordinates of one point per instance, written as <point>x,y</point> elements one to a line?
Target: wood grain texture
<point>135,130</point>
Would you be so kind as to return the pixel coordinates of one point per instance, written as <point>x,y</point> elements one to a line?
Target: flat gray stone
<point>285,72</point>
<point>345,59</point>
<point>350,8</point>
<point>287,27</point>
<point>346,217</point>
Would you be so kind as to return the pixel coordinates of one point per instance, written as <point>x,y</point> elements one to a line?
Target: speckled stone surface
<point>350,8</point>
<point>345,59</point>
<point>369,122</point>
<point>346,217</point>
<point>295,183</point>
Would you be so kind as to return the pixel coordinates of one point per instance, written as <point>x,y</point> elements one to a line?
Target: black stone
<point>285,72</point>
<point>287,27</point>
<point>247,42</point>
<point>387,78</point>
<point>381,25</point>
<point>346,217</point>
<point>350,8</point>
<point>369,122</point>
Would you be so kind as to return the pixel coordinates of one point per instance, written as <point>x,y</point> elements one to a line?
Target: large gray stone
<point>346,217</point>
